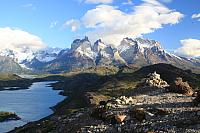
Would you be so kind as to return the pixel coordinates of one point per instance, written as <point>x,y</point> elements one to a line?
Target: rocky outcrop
<point>179,86</point>
<point>153,80</point>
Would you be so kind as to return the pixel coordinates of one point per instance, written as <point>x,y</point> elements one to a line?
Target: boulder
<point>180,87</point>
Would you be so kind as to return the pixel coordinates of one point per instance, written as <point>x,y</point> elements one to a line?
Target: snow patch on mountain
<point>25,55</point>
<point>47,54</point>
<point>83,47</point>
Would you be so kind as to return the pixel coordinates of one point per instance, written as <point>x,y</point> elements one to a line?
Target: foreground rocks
<point>148,109</point>
<point>166,113</point>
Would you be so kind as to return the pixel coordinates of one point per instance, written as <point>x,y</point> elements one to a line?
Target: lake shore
<point>26,116</point>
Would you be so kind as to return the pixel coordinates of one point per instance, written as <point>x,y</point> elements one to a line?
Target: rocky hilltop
<point>156,110</point>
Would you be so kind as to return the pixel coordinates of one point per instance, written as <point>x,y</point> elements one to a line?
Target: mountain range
<point>136,52</point>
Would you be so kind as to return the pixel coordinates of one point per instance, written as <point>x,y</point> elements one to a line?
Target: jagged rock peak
<point>139,45</point>
<point>141,42</point>
<point>99,41</point>
<point>127,41</point>
<point>86,39</point>
<point>147,41</point>
<point>81,42</point>
<point>99,45</point>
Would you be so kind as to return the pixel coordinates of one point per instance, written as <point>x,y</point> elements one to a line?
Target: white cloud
<point>189,48</point>
<point>17,40</point>
<point>98,1</point>
<point>73,24</point>
<point>196,16</point>
<point>111,24</point>
<point>53,24</point>
<point>128,2</point>
<point>166,1</point>
<point>30,6</point>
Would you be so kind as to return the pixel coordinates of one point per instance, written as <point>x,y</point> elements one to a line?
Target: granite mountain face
<point>83,54</point>
<point>131,52</point>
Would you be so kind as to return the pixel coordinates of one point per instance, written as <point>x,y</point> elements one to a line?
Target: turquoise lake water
<point>30,105</point>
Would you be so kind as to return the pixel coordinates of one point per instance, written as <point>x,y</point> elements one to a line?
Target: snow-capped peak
<point>125,44</point>
<point>7,53</point>
<point>99,45</point>
<point>80,43</point>
<point>83,47</point>
<point>19,55</point>
<point>24,54</point>
<point>139,44</point>
<point>47,54</point>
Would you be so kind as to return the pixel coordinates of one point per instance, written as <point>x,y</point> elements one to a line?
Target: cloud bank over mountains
<point>18,40</point>
<point>189,48</point>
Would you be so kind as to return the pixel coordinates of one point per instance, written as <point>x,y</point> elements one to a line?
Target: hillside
<point>86,90</point>
<point>13,82</point>
<point>9,65</point>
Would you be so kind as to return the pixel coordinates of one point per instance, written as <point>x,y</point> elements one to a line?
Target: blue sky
<point>58,23</point>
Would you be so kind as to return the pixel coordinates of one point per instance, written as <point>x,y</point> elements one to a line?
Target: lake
<point>30,105</point>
